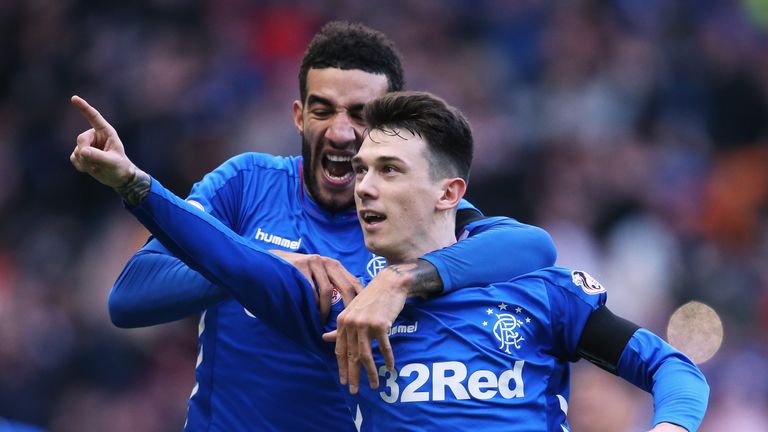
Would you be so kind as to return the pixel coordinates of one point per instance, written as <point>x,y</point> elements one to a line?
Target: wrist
<point>136,188</point>
<point>418,278</point>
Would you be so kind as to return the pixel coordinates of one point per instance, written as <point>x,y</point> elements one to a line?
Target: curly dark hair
<point>444,129</point>
<point>344,45</point>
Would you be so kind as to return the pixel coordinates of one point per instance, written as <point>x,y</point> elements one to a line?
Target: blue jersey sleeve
<point>573,296</point>
<point>156,287</point>
<point>496,249</point>
<point>219,193</point>
<point>264,284</point>
<point>680,391</point>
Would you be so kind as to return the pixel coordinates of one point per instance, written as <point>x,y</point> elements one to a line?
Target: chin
<point>374,247</point>
<point>334,202</point>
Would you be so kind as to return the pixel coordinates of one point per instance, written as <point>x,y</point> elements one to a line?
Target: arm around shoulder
<point>505,247</point>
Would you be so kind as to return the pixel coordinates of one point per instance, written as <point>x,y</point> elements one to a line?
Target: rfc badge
<point>587,283</point>
<point>505,322</point>
<point>375,265</point>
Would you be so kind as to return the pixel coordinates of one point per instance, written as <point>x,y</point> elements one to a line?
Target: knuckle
<point>379,324</point>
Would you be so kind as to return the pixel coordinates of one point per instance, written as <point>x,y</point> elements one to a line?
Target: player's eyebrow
<point>315,99</point>
<point>382,160</point>
<point>356,108</point>
<point>388,159</point>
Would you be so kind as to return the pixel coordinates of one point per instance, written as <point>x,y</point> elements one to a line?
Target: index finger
<point>90,113</point>
<point>341,355</point>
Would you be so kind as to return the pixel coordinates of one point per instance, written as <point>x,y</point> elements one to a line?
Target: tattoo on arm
<point>424,279</point>
<point>136,189</point>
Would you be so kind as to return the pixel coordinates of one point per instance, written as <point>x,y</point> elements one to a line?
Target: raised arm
<point>265,284</point>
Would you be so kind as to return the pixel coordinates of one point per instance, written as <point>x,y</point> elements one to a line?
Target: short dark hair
<point>444,128</point>
<point>344,45</point>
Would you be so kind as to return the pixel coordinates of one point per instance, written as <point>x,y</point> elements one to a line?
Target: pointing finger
<point>90,113</point>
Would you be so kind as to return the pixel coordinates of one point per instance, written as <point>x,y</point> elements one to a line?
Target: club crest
<point>506,323</point>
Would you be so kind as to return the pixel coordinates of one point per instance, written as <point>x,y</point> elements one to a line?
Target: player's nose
<point>365,187</point>
<point>341,131</point>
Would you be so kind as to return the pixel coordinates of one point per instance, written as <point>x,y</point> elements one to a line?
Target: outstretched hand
<point>99,151</point>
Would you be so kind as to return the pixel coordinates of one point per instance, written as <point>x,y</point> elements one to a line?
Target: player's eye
<point>356,115</point>
<point>321,113</point>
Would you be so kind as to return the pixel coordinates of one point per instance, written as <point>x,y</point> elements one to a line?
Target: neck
<point>438,236</point>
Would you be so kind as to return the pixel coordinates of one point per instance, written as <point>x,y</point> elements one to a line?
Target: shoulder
<point>567,284</point>
<point>251,168</point>
<point>262,162</point>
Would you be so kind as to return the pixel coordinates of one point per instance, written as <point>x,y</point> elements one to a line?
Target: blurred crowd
<point>634,131</point>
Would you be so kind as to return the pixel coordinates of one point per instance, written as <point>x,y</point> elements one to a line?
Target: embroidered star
<point>518,309</point>
<point>489,311</point>
<point>527,320</point>
<point>485,323</point>
<point>503,306</point>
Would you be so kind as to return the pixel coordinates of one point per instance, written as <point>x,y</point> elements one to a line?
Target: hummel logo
<point>276,240</point>
<point>403,328</point>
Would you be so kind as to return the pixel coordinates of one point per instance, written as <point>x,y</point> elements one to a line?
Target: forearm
<point>680,391</point>
<point>136,189</point>
<point>417,278</point>
<point>263,283</point>
<point>497,249</point>
<point>155,287</point>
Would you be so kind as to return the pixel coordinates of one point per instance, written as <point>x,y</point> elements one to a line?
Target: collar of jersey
<point>314,208</point>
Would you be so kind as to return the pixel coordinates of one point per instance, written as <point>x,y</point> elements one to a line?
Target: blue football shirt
<point>486,358</point>
<point>250,372</point>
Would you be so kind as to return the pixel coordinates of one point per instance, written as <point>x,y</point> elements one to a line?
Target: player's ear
<point>453,190</point>
<point>298,118</point>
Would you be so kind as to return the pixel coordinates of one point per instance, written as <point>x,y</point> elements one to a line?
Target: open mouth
<point>371,217</point>
<point>337,168</point>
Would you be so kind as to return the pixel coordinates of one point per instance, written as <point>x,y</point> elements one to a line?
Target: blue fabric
<point>251,368</point>
<point>653,365</point>
<point>473,359</point>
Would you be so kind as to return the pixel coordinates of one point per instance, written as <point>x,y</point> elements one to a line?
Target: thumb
<point>330,336</point>
<point>109,168</point>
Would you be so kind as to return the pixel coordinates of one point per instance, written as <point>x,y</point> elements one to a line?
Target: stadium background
<point>633,130</point>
